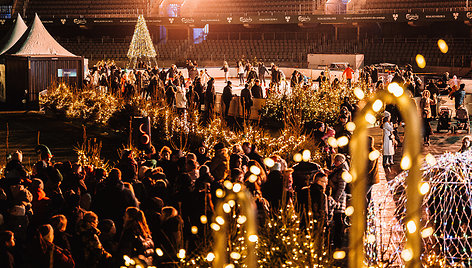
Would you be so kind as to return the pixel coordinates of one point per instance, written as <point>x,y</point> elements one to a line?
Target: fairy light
<point>220,193</point>
<point>371,238</point>
<point>424,188</point>
<point>407,254</point>
<point>349,211</point>
<point>395,89</point>
<point>235,255</point>
<point>226,208</point>
<point>220,220</point>
<point>297,157</point>
<point>253,238</point>
<point>252,178</point>
<point>269,162</point>
<point>229,266</point>
<point>405,162</point>
<point>378,104</point>
<point>430,159</point>
<point>359,93</point>
<point>342,141</point>
<point>215,227</point>
<point>203,219</point>
<point>370,118</point>
<point>228,184</point>
<point>411,227</point>
<point>255,170</point>
<point>181,253</point>
<point>427,232</point>
<point>306,155</point>
<point>194,229</point>
<point>210,257</point>
<point>350,126</point>
<point>128,260</point>
<point>346,176</point>
<point>374,155</point>
<point>159,252</point>
<point>420,61</point>
<point>443,46</point>
<point>339,255</point>
<point>237,187</point>
<point>332,142</point>
<point>241,219</point>
<point>231,203</point>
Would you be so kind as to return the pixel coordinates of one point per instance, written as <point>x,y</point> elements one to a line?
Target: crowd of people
<point>65,214</point>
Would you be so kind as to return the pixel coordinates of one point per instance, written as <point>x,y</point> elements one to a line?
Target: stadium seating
<point>86,8</point>
<point>249,7</point>
<point>398,51</point>
<point>380,6</point>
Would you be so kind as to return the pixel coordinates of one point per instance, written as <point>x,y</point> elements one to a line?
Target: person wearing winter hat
<point>43,152</point>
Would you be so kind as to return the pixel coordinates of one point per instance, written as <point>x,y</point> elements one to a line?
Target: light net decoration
<point>141,43</point>
<point>446,223</point>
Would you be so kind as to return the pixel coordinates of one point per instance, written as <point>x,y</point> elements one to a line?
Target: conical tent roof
<point>37,41</point>
<point>13,35</point>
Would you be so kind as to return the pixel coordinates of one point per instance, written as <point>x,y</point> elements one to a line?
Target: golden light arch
<point>411,161</point>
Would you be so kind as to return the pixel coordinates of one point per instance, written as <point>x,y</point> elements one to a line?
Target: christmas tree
<point>141,45</point>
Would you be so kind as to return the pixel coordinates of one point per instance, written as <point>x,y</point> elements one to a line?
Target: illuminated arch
<point>411,160</point>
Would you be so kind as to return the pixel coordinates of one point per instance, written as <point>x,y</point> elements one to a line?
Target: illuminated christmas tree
<point>141,45</point>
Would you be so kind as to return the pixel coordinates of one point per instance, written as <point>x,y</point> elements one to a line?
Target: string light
<point>269,162</point>
<point>181,254</point>
<point>420,61</point>
<point>210,257</point>
<point>203,219</point>
<point>255,170</point>
<point>306,155</point>
<point>159,252</point>
<point>395,89</point>
<point>443,46</point>
<point>377,105</point>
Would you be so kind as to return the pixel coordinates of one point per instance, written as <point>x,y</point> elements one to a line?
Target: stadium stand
<point>381,6</point>
<point>285,52</point>
<point>82,8</point>
<point>249,7</point>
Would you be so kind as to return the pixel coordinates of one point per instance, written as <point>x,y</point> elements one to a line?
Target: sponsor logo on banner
<point>395,17</point>
<point>229,19</point>
<point>63,21</point>
<point>171,20</point>
<point>80,21</point>
<point>304,18</point>
<point>245,19</point>
<point>287,18</point>
<point>455,15</point>
<point>187,20</point>
<point>469,15</point>
<point>412,16</point>
<point>2,22</point>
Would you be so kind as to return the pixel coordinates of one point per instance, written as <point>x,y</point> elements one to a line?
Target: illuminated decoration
<point>443,46</point>
<point>141,45</point>
<point>412,246</point>
<point>420,61</point>
<point>445,227</point>
<point>248,238</point>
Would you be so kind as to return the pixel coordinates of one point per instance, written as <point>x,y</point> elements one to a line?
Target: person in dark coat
<point>262,72</point>
<point>193,98</point>
<point>210,97</point>
<point>338,197</point>
<point>372,170</point>
<point>427,130</point>
<point>42,252</point>
<point>136,240</point>
<point>14,171</point>
<point>227,97</point>
<point>112,200</point>
<point>256,90</point>
<point>61,238</point>
<point>459,96</point>
<point>170,93</point>
<point>246,102</point>
<point>128,166</point>
<point>7,243</point>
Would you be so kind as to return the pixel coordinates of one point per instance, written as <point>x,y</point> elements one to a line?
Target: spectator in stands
<point>348,73</point>
<point>246,102</point>
<point>226,97</point>
<point>241,73</point>
<point>225,69</point>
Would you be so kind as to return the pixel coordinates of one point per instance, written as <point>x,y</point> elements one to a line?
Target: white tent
<point>37,41</point>
<point>13,35</point>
